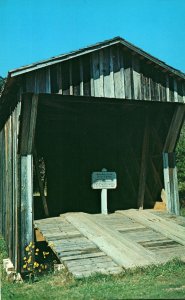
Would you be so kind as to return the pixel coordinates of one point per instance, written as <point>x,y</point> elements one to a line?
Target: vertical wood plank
<point>167,180</point>
<point>183,92</point>
<point>91,76</point>
<point>112,95</point>
<point>26,203</point>
<point>119,86</point>
<point>28,123</point>
<point>175,90</point>
<point>98,78</point>
<point>174,129</point>
<point>81,78</point>
<point>128,76</point>
<point>108,74</point>
<point>48,80</point>
<point>167,88</point>
<point>171,183</point>
<point>70,78</point>
<point>136,78</point>
<point>59,78</point>
<point>101,88</point>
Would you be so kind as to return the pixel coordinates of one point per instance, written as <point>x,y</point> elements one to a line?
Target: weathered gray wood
<point>167,88</point>
<point>26,203</point>
<point>183,92</point>
<point>91,77</point>
<point>97,64</point>
<point>175,90</point>
<point>108,74</point>
<point>81,78</point>
<point>167,228</point>
<point>175,206</point>
<point>174,129</point>
<point>119,83</point>
<point>128,75</point>
<point>28,124</point>
<point>167,180</point>
<point>70,79</point>
<point>136,77</point>
<point>117,248</point>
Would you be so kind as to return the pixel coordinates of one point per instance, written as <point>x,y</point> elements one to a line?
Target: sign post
<point>104,180</point>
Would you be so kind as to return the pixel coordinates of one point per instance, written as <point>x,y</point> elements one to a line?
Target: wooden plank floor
<point>88,244</point>
<point>81,256</point>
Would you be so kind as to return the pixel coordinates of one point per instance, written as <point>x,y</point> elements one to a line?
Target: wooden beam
<point>124,252</point>
<point>136,164</point>
<point>40,183</point>
<point>143,169</point>
<point>26,205</point>
<point>156,174</point>
<point>28,123</point>
<point>171,183</point>
<point>174,130</point>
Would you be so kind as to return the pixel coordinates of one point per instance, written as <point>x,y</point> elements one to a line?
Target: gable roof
<point>92,48</point>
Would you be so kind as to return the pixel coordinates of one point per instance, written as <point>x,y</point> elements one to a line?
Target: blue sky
<point>33,30</point>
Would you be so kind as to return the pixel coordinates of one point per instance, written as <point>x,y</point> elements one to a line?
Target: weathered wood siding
<point>9,185</point>
<point>113,72</point>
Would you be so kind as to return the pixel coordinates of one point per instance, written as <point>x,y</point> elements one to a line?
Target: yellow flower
<point>30,244</point>
<point>24,266</point>
<point>29,260</point>
<point>28,269</point>
<point>36,264</point>
<point>24,258</point>
<point>45,267</point>
<point>33,246</point>
<point>40,270</point>
<point>27,248</point>
<point>36,253</point>
<point>37,250</point>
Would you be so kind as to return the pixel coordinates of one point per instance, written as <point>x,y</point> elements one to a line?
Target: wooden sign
<point>104,180</point>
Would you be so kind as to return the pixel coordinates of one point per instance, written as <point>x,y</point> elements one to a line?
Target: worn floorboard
<point>88,244</point>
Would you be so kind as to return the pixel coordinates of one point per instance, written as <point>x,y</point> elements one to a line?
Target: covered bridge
<point>110,105</point>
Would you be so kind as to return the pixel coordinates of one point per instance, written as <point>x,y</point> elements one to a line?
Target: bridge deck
<point>88,244</point>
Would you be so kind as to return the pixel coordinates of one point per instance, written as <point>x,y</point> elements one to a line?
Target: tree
<point>180,158</point>
<point>2,82</point>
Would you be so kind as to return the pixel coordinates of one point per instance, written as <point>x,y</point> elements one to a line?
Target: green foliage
<point>180,157</point>
<point>2,82</point>
<point>154,282</point>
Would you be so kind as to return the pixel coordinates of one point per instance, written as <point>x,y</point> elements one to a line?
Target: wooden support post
<point>174,130</point>
<point>41,185</point>
<point>170,171</point>
<point>171,183</point>
<point>104,201</point>
<point>26,204</point>
<point>143,169</point>
<point>28,124</point>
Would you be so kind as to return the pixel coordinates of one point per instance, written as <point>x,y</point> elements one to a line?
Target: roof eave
<point>89,49</point>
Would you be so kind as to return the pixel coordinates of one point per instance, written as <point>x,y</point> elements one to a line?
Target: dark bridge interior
<point>79,135</point>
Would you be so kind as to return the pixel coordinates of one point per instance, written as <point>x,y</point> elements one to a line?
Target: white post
<point>104,201</point>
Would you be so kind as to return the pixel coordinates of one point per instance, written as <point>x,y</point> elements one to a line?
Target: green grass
<point>162,282</point>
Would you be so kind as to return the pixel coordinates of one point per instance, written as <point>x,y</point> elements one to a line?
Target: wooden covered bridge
<point>110,105</point>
